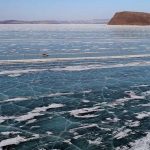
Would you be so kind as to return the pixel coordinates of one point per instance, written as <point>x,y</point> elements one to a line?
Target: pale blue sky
<point>67,9</point>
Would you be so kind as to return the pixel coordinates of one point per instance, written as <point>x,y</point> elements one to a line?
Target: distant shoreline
<point>101,21</point>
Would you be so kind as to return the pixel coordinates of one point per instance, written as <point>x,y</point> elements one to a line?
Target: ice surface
<point>91,92</point>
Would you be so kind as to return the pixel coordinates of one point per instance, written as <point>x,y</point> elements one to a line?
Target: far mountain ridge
<point>94,21</point>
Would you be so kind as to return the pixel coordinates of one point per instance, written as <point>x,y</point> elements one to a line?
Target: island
<point>130,18</point>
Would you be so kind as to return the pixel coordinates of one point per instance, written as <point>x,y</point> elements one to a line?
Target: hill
<point>130,18</point>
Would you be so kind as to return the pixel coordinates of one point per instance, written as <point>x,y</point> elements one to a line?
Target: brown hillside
<point>130,18</point>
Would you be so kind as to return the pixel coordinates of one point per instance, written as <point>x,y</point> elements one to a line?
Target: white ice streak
<point>70,59</point>
<point>15,99</point>
<point>122,134</point>
<point>138,86</point>
<point>97,141</point>
<point>49,133</point>
<point>86,126</point>
<point>97,66</point>
<point>131,96</point>
<point>3,118</point>
<point>83,112</point>
<point>37,112</point>
<point>147,93</point>
<point>13,73</point>
<point>11,132</point>
<point>59,94</point>
<point>65,94</point>
<point>145,105</point>
<point>140,144</point>
<point>131,123</point>
<point>12,141</point>
<point>77,68</point>
<point>143,115</point>
<point>115,119</point>
<point>30,115</point>
<point>16,140</point>
<point>85,101</point>
<point>31,121</point>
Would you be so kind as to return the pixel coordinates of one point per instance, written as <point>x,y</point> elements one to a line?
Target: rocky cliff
<point>130,18</point>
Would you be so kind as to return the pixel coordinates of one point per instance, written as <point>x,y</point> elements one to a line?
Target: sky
<point>67,9</point>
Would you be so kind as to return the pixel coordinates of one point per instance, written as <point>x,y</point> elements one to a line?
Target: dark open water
<point>91,93</point>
